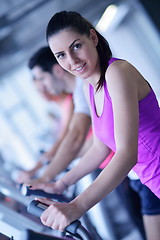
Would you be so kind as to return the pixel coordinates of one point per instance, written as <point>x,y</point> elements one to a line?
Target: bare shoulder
<point>120,68</point>
<point>122,76</point>
<point>121,72</point>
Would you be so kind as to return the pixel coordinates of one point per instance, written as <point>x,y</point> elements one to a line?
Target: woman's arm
<point>88,163</point>
<point>123,89</point>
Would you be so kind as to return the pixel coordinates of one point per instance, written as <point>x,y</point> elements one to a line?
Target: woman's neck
<point>94,78</point>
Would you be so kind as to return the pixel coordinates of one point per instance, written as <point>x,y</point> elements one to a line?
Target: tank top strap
<point>91,94</point>
<point>113,59</point>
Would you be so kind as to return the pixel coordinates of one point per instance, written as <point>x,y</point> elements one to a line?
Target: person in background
<point>125,118</point>
<point>47,75</point>
<point>56,84</point>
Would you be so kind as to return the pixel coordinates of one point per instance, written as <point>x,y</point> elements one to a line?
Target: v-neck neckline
<point>94,103</point>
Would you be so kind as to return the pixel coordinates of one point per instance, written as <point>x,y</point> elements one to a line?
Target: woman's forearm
<point>107,181</point>
<point>88,163</point>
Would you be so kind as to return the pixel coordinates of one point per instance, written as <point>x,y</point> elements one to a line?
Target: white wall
<point>133,36</point>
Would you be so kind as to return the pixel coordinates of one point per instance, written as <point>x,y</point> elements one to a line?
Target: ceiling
<point>23,24</point>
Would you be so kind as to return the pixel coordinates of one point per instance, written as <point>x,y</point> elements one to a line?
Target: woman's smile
<point>80,69</point>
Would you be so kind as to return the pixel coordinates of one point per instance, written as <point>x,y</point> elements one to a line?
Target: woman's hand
<point>59,215</point>
<point>55,187</point>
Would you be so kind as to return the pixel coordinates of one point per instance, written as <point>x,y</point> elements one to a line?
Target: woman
<point>125,117</point>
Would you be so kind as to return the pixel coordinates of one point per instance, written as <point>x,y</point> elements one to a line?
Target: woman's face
<point>76,53</point>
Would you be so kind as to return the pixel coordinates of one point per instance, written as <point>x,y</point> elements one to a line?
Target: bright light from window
<point>107,18</point>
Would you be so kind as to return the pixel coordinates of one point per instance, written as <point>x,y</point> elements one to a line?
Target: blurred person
<point>51,81</point>
<point>118,120</point>
<point>56,84</point>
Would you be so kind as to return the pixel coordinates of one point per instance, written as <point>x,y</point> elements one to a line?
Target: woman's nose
<point>73,59</point>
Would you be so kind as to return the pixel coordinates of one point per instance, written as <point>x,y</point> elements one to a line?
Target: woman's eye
<point>77,46</point>
<point>61,55</point>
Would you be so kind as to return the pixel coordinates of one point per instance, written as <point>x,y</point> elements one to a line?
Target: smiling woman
<point>83,33</point>
<point>74,54</point>
<point>124,112</point>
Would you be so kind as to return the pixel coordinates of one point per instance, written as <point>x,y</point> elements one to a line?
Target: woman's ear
<point>93,36</point>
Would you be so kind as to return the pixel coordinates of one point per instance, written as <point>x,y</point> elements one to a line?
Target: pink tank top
<point>148,165</point>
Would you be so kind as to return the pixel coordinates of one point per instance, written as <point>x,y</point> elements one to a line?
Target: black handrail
<point>75,229</point>
<point>26,191</point>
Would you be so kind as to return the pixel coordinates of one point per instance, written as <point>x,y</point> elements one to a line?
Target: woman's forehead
<point>63,39</point>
